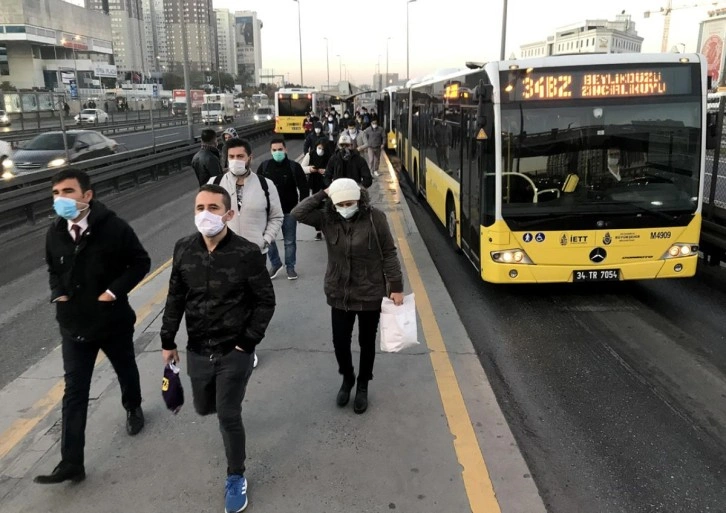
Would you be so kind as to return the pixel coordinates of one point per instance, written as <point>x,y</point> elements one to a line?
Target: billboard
<point>711,45</point>
<point>246,47</point>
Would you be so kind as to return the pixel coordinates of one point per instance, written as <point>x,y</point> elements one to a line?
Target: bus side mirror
<point>485,92</point>
<point>712,132</point>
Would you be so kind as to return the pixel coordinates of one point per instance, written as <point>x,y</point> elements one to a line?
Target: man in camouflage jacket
<point>220,283</point>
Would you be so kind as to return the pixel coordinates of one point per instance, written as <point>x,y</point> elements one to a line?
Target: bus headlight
<point>7,164</point>
<point>510,256</point>
<point>681,250</point>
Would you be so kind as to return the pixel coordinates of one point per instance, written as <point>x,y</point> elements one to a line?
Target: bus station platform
<point>433,439</point>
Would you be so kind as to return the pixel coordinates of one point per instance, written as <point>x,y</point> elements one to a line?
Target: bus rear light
<point>680,250</point>
<point>511,256</point>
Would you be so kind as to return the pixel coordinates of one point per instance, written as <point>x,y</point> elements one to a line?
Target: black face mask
<point>346,154</point>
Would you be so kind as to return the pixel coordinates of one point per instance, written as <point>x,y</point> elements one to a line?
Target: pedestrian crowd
<point>220,282</point>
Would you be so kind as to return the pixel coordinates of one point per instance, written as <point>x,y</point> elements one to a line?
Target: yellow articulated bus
<point>293,104</point>
<point>564,169</point>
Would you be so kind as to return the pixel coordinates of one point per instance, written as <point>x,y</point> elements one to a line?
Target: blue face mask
<point>279,156</point>
<point>66,208</point>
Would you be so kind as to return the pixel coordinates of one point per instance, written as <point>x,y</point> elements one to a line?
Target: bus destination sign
<point>595,84</point>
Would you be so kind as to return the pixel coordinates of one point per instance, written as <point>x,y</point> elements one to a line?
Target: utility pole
<point>504,31</point>
<point>187,88</point>
<point>327,60</point>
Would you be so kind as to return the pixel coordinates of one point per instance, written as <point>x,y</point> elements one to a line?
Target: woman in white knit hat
<point>363,268</point>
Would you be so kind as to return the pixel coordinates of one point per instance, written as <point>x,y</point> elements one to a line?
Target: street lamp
<point>340,67</point>
<point>299,35</point>
<point>387,40</point>
<point>380,78</point>
<point>407,38</point>
<point>327,59</point>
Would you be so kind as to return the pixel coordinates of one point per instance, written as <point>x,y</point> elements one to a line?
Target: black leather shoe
<point>360,404</point>
<point>344,392</point>
<point>63,472</point>
<point>134,421</point>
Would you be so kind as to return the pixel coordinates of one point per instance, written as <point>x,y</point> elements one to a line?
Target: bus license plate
<point>596,275</point>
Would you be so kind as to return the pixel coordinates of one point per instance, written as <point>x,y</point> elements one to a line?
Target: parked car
<point>93,116</point>
<point>4,119</point>
<point>47,151</point>
<point>264,114</point>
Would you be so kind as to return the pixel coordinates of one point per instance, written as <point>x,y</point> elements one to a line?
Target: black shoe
<point>63,472</point>
<point>134,421</point>
<point>344,392</point>
<point>360,404</point>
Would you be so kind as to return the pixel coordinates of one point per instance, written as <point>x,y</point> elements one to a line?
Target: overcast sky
<point>443,33</point>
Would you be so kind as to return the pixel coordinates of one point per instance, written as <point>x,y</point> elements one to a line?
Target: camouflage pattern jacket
<point>226,295</point>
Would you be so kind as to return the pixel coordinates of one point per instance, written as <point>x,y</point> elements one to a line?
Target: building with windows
<point>226,41</point>
<point>382,80</point>
<point>127,30</point>
<point>592,36</point>
<point>156,54</point>
<point>201,29</point>
<point>249,47</point>
<point>54,44</point>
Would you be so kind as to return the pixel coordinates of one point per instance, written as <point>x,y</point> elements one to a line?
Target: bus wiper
<point>549,217</point>
<point>658,213</point>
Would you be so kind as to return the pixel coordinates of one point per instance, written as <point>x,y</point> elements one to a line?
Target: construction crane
<point>666,12</point>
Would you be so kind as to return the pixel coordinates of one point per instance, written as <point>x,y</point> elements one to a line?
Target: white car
<point>93,116</point>
<point>264,114</point>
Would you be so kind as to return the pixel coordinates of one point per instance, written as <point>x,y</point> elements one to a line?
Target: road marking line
<point>475,474</point>
<point>21,427</point>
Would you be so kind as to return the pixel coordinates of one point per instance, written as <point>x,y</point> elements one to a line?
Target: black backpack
<point>263,184</point>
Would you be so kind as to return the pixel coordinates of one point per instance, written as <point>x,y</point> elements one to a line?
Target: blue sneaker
<point>235,494</point>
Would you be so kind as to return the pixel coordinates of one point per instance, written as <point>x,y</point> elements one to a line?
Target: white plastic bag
<point>398,325</point>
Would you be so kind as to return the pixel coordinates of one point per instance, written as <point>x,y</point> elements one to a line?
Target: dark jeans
<point>79,359</point>
<point>343,322</point>
<point>219,383</point>
<point>289,234</point>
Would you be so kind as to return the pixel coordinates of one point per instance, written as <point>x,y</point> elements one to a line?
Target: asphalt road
<point>614,393</point>
<point>160,212</point>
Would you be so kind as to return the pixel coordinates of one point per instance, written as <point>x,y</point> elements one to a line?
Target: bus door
<point>477,167</point>
<point>470,185</point>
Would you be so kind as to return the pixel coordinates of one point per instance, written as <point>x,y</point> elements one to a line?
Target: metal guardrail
<point>26,198</point>
<point>138,125</point>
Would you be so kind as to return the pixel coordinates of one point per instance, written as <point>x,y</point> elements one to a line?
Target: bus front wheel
<point>451,220</point>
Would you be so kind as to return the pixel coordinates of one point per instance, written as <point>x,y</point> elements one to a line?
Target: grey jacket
<point>359,270</point>
<point>375,137</point>
<point>252,221</point>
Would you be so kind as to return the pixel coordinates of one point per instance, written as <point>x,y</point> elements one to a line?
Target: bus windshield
<point>612,157</point>
<point>287,106</point>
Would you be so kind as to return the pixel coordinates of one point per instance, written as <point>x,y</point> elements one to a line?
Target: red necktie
<point>76,233</point>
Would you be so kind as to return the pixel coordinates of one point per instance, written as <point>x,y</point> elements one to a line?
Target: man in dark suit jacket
<point>94,260</point>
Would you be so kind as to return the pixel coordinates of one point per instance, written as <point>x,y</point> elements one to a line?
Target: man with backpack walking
<point>292,187</point>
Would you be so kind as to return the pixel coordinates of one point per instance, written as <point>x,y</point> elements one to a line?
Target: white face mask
<point>374,125</point>
<point>208,224</point>
<point>613,161</point>
<point>317,130</point>
<point>347,212</point>
<point>238,167</point>
<point>320,152</point>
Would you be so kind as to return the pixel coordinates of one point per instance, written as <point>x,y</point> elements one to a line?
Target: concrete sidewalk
<point>409,452</point>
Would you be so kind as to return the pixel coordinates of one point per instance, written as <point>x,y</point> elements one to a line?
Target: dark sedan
<point>48,151</point>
